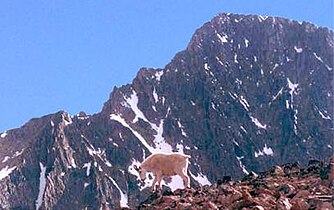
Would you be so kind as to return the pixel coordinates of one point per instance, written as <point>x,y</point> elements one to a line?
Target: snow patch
<point>268,150</point>
<point>132,102</point>
<point>88,166</point>
<point>6,171</point>
<point>262,18</point>
<point>329,68</point>
<point>219,61</point>
<point>155,95</point>
<point>244,102</point>
<point>242,166</point>
<point>4,134</point>
<point>73,164</point>
<point>42,186</point>
<point>298,50</point>
<point>18,153</point>
<point>5,159</point>
<point>200,178</point>
<point>257,123</point>
<point>180,148</point>
<point>206,66</point>
<point>158,75</point>
<point>287,104</point>
<point>135,133</point>
<point>124,197</point>
<point>243,129</point>
<point>259,153</point>
<point>235,58</point>
<point>246,42</point>
<point>223,39</point>
<point>107,163</point>
<point>67,119</point>
<point>132,170</point>
<point>276,65</point>
<point>86,184</point>
<point>235,142</point>
<point>160,143</point>
<point>317,57</point>
<point>324,116</point>
<point>176,183</point>
<point>292,87</point>
<point>182,129</point>
<point>278,94</point>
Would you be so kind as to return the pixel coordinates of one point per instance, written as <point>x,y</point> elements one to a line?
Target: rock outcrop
<point>285,187</point>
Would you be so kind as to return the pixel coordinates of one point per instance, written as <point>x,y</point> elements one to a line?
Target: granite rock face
<point>248,93</point>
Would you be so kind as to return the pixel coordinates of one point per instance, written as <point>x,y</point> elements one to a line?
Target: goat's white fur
<point>165,165</point>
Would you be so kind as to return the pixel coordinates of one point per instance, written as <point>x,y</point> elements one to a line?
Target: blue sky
<point>68,55</point>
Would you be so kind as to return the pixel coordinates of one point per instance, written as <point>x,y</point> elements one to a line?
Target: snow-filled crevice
<point>242,166</point>
<point>4,172</point>
<point>124,197</point>
<point>119,119</point>
<point>160,144</point>
<point>42,186</point>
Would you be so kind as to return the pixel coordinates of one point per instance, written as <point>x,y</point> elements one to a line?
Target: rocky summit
<point>247,93</point>
<point>285,187</point>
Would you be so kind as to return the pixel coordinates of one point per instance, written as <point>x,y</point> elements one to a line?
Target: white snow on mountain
<point>298,50</point>
<point>265,151</point>
<point>317,57</point>
<point>200,178</point>
<point>88,166</point>
<point>135,133</point>
<point>257,123</point>
<point>158,75</point>
<point>42,186</point>
<point>124,197</point>
<point>132,103</point>
<point>4,172</point>
<point>242,166</point>
<point>223,39</point>
<point>3,135</point>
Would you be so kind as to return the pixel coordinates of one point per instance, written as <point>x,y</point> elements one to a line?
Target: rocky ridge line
<point>285,187</point>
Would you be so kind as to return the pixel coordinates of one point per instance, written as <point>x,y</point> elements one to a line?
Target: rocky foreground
<point>285,187</point>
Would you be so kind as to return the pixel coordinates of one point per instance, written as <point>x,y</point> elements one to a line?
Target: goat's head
<point>141,171</point>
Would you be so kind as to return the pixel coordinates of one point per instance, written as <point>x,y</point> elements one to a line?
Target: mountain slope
<point>283,187</point>
<point>247,93</point>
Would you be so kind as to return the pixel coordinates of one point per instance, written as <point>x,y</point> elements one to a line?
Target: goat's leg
<point>186,180</point>
<point>159,182</point>
<point>153,183</point>
<point>157,179</point>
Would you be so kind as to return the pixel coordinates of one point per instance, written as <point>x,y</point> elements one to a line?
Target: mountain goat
<point>165,165</point>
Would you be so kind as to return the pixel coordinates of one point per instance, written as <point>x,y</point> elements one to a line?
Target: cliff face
<point>249,92</point>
